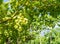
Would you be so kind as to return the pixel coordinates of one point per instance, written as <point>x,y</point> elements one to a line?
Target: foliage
<point>22,21</point>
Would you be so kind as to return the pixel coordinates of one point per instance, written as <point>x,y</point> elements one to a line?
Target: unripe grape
<point>6,33</point>
<point>17,3</point>
<point>27,3</point>
<point>19,29</point>
<point>15,26</point>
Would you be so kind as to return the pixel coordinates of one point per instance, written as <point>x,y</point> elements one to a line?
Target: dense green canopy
<point>22,21</point>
